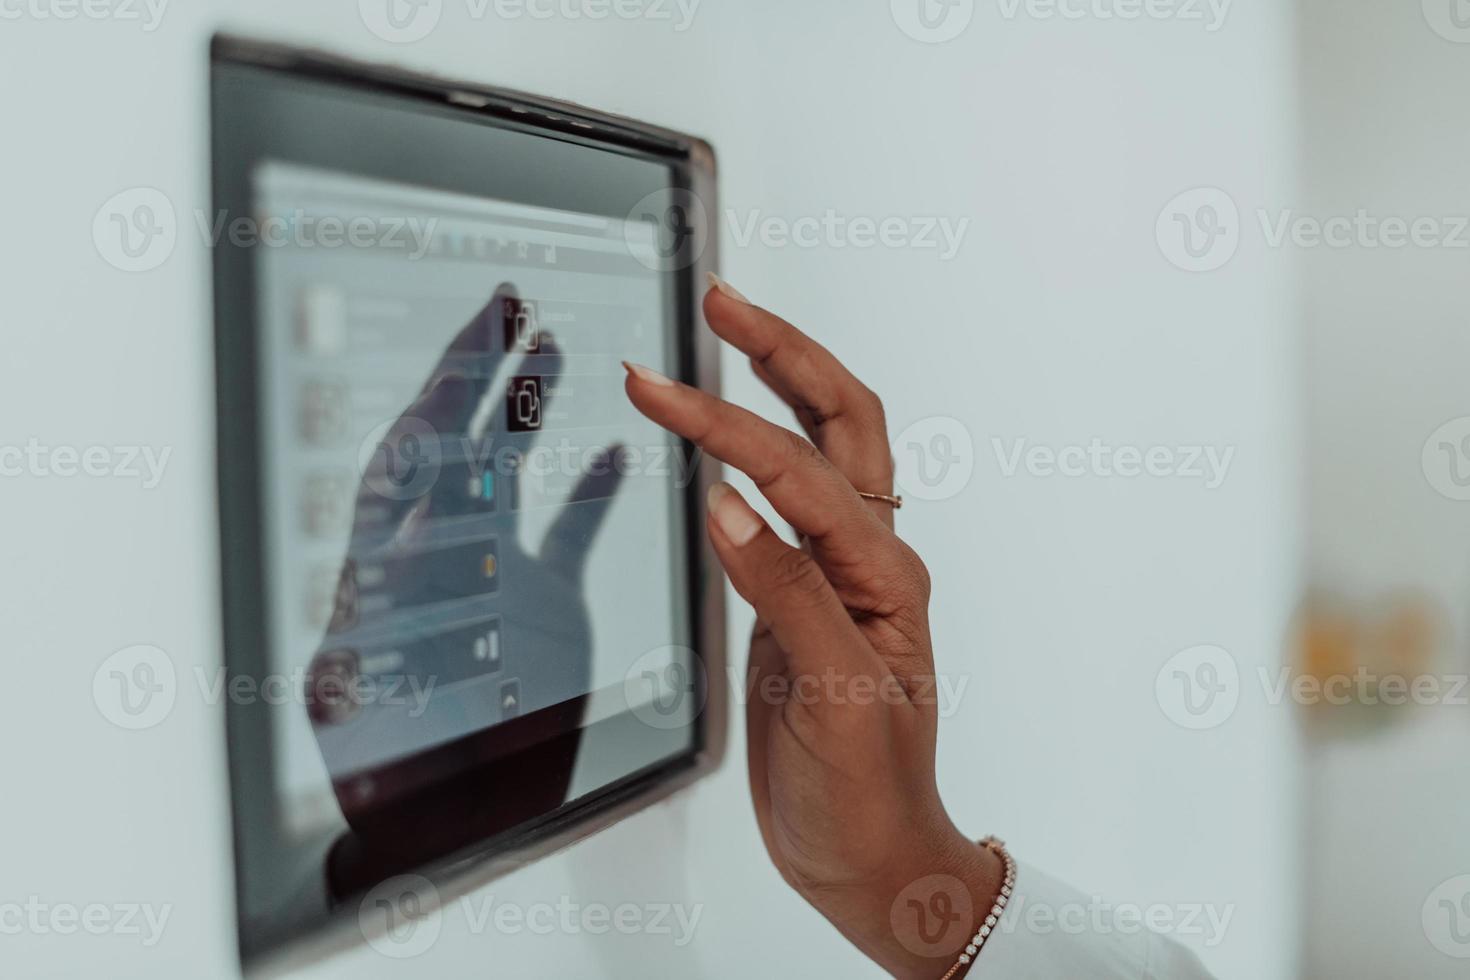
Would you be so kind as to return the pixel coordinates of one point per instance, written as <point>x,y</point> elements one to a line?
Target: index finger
<point>842,415</point>
<point>799,481</point>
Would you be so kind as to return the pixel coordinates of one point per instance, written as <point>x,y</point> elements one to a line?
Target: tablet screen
<point>459,563</point>
<point>468,521</point>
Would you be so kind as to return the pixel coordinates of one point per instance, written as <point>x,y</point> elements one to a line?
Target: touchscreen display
<point>464,613</point>
<point>468,523</point>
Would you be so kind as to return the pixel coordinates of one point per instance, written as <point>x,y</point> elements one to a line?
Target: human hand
<point>841,710</point>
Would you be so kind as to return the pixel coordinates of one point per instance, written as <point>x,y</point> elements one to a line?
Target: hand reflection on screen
<point>443,624</point>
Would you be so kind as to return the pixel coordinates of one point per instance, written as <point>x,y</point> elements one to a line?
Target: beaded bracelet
<point>977,941</point>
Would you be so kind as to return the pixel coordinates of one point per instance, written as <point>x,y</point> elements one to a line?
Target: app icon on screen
<point>522,326</point>
<point>481,487</point>
<point>510,699</point>
<point>326,500</point>
<point>524,404</point>
<point>321,321</point>
<point>325,412</point>
<point>487,648</point>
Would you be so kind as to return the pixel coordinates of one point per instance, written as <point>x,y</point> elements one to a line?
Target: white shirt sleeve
<point>1050,931</point>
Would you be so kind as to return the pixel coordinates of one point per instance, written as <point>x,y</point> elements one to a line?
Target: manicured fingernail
<point>724,287</point>
<point>733,515</point>
<point>647,374</point>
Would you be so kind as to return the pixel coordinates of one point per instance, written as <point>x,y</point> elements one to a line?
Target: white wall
<point>1058,600</point>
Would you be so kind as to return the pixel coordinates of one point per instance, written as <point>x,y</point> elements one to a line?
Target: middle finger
<point>839,413</point>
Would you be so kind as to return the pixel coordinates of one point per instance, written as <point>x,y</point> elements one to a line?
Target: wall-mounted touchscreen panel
<point>459,557</point>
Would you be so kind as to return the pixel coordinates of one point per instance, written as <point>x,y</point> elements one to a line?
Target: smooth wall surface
<point>1061,313</point>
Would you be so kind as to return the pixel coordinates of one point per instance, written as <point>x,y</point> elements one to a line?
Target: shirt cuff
<point>1051,931</point>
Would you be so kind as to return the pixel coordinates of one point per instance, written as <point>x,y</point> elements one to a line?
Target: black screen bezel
<point>251,82</point>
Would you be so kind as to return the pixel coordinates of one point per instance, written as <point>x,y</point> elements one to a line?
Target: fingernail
<point>647,374</point>
<point>724,287</point>
<point>733,515</point>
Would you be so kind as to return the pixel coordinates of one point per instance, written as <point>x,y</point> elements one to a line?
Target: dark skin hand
<point>841,713</point>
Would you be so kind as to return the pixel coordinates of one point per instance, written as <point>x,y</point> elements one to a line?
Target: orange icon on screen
<point>490,566</point>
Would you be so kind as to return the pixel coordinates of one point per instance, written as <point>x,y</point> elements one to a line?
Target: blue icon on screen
<point>482,487</point>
